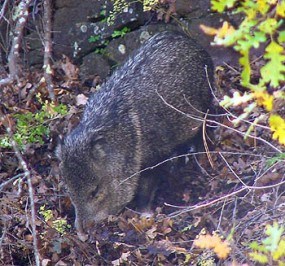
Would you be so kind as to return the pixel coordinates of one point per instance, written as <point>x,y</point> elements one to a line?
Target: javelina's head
<point>94,170</point>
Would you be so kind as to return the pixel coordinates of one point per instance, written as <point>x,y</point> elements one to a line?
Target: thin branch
<point>185,155</point>
<point>27,175</point>
<point>203,205</point>
<point>4,232</point>
<point>48,48</point>
<point>15,68</point>
<point>232,170</point>
<point>198,118</point>
<point>206,144</point>
<point>4,184</point>
<point>3,9</point>
<point>184,209</point>
<point>228,113</point>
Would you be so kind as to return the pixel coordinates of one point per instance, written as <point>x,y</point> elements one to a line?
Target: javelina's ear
<point>59,148</point>
<point>99,146</point>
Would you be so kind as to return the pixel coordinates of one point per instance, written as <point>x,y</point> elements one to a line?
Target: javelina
<point>136,119</point>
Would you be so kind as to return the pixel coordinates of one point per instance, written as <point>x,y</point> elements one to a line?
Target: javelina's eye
<point>93,193</point>
<point>98,150</point>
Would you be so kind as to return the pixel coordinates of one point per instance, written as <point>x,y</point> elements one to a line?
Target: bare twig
<point>48,48</point>
<point>229,196</point>
<point>15,68</point>
<point>230,114</point>
<point>198,118</point>
<point>33,91</point>
<point>3,9</point>
<point>27,175</point>
<point>4,232</point>
<point>232,170</point>
<point>184,209</point>
<point>206,144</point>
<point>4,184</point>
<point>182,156</point>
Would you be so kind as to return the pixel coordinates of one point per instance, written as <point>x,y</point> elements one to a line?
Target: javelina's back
<point>150,106</point>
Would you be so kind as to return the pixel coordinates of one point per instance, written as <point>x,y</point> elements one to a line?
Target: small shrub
<point>31,127</point>
<point>59,224</point>
<point>120,5</point>
<point>120,33</point>
<point>271,250</point>
<point>261,24</point>
<point>94,38</point>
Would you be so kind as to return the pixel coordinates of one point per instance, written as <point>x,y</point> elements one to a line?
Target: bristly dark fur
<point>152,104</point>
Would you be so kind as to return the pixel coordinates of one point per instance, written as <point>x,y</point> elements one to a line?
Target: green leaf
<point>5,142</point>
<point>60,109</point>
<point>245,74</point>
<point>120,33</point>
<point>259,37</point>
<point>273,71</point>
<point>103,12</point>
<point>94,38</point>
<point>254,245</point>
<point>32,127</point>
<point>221,5</point>
<point>279,157</point>
<point>269,26</point>
<point>281,37</point>
<point>244,38</point>
<point>274,235</point>
<point>259,257</point>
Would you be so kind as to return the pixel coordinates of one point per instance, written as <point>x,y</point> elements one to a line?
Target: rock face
<point>152,105</point>
<point>81,28</point>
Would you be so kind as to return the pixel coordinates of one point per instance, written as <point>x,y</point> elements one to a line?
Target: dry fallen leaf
<point>71,71</point>
<point>81,99</point>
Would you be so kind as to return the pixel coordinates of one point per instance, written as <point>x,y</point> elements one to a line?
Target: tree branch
<point>15,68</point>
<point>48,48</point>
<point>27,174</point>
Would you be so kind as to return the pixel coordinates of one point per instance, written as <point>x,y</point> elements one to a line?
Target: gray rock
<point>75,23</point>
<point>94,65</point>
<point>133,40</point>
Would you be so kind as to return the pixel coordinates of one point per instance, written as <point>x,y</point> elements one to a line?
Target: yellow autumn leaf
<point>220,247</point>
<point>277,126</point>
<point>222,250</point>
<point>221,33</point>
<point>280,251</point>
<point>208,30</point>
<point>251,13</point>
<point>262,6</point>
<point>149,4</point>
<point>280,9</point>
<point>203,241</point>
<point>264,99</point>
